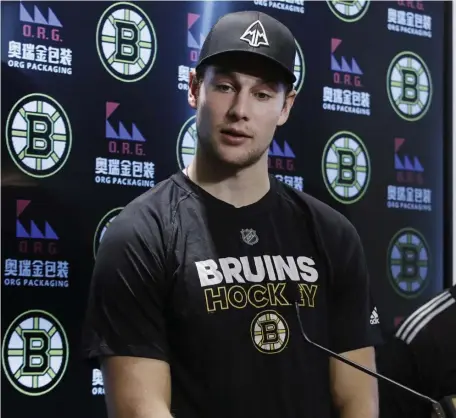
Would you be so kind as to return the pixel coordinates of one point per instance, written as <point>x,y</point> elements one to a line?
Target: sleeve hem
<point>357,345</point>
<point>94,355</point>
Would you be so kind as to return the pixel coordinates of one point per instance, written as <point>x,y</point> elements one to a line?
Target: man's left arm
<point>354,393</point>
<point>353,321</point>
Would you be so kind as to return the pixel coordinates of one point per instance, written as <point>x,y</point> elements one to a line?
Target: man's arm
<point>352,333</point>
<point>398,361</point>
<point>136,387</point>
<point>354,393</point>
<point>125,327</point>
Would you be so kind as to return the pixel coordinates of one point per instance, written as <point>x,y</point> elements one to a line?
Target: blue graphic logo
<point>408,263</point>
<point>281,158</point>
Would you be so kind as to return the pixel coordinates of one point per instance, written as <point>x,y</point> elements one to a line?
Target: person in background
<point>422,356</point>
<point>192,302</point>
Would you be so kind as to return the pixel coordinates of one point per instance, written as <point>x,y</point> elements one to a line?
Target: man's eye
<point>223,88</point>
<point>262,96</point>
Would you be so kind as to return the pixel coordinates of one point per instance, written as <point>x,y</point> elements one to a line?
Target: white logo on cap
<point>255,35</point>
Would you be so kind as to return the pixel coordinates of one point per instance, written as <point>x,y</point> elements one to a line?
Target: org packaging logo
<point>407,193</point>
<point>102,226</point>
<point>408,263</point>
<point>281,163</point>
<point>39,263</point>
<point>123,144</point>
<point>38,135</point>
<point>295,6</point>
<point>347,93</point>
<point>410,21</point>
<point>409,86</point>
<point>35,353</point>
<point>41,47</point>
<point>346,167</point>
<point>97,383</point>
<point>126,42</point>
<point>281,158</point>
<point>349,10</point>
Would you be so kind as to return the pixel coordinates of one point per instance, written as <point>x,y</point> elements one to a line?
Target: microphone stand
<point>444,409</point>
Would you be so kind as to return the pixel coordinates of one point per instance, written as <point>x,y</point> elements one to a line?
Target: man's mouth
<point>235,133</point>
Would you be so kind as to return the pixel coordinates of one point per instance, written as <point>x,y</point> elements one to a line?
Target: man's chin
<point>236,162</point>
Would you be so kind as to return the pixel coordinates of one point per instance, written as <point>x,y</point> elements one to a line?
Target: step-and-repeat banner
<point>94,113</point>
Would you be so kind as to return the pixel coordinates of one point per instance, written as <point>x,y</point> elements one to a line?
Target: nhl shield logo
<point>249,236</point>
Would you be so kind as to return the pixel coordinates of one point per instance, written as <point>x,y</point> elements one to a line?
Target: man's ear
<point>193,90</point>
<point>288,104</point>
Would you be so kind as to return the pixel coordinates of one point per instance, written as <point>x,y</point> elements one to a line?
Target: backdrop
<point>94,112</point>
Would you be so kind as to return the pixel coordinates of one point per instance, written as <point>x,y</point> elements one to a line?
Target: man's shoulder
<point>325,217</point>
<point>430,318</point>
<point>156,206</point>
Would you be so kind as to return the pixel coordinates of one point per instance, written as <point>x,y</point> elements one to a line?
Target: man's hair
<point>199,76</point>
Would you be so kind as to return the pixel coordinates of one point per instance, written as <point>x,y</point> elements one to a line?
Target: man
<point>422,356</point>
<point>192,306</point>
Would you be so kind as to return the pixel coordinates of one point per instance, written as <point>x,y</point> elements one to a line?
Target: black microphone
<point>444,409</point>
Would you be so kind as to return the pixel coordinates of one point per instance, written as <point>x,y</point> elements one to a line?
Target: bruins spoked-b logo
<point>186,143</point>
<point>349,10</point>
<point>126,42</point>
<point>35,353</point>
<point>38,135</point>
<point>408,263</point>
<point>299,68</point>
<point>409,86</point>
<point>103,225</point>
<point>346,167</point>
<point>270,332</point>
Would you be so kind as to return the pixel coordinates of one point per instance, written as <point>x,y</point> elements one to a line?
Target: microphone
<point>444,409</point>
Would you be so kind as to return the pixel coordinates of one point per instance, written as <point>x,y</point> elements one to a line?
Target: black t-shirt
<point>422,356</point>
<point>186,278</point>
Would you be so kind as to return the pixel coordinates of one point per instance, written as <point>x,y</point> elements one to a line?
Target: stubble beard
<point>210,153</point>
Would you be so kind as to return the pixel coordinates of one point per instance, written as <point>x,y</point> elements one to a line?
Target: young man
<point>422,356</point>
<point>192,305</point>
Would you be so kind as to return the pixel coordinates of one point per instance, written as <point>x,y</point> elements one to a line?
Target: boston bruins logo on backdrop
<point>409,86</point>
<point>35,353</point>
<point>186,143</point>
<point>299,68</point>
<point>349,10</point>
<point>38,135</point>
<point>346,167</point>
<point>408,263</point>
<point>126,42</point>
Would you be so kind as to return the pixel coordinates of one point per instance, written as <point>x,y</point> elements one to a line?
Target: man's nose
<point>240,106</point>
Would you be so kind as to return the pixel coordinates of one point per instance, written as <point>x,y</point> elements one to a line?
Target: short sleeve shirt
<point>421,356</point>
<point>183,277</point>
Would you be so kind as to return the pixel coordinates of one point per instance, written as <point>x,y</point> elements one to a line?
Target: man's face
<point>238,108</point>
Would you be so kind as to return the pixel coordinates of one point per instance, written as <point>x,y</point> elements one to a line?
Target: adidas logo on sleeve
<point>374,319</point>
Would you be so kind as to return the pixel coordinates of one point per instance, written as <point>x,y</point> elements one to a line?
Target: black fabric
<point>251,32</point>
<point>158,291</point>
<point>421,356</point>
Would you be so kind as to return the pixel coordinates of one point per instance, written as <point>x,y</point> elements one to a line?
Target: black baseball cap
<point>253,32</point>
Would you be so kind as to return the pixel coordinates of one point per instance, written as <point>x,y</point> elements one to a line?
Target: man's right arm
<point>125,328</point>
<point>136,387</point>
<point>398,361</point>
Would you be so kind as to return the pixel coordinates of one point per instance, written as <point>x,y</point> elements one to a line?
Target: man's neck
<point>240,188</point>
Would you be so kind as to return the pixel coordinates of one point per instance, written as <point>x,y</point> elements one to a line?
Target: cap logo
<point>255,35</point>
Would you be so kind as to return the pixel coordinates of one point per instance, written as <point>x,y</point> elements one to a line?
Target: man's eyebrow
<point>271,82</point>
<point>224,72</point>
